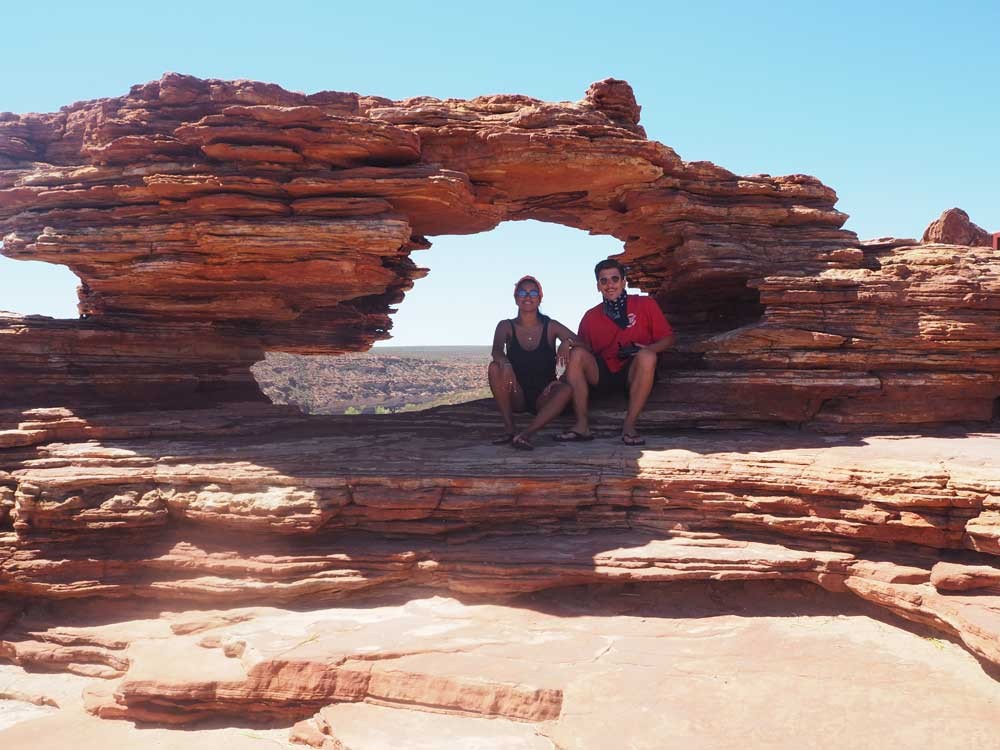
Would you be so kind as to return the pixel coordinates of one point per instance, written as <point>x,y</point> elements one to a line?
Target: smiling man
<point>622,337</point>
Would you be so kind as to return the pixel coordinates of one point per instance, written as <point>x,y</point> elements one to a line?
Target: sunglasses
<point>522,293</point>
<point>605,280</point>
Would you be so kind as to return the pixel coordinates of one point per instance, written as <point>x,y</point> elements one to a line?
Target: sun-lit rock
<point>195,553</point>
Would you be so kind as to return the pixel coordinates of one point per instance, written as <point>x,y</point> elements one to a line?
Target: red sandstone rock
<point>689,664</point>
<point>954,577</point>
<point>211,221</point>
<point>317,502</point>
<point>616,99</point>
<point>257,219</point>
<point>284,221</point>
<point>954,227</point>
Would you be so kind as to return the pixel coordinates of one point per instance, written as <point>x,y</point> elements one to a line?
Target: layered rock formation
<point>954,227</point>
<point>229,509</point>
<point>714,665</point>
<point>251,218</point>
<point>211,222</point>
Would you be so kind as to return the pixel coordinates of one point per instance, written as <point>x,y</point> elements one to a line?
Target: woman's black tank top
<point>534,368</point>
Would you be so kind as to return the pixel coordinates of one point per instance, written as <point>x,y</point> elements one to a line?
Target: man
<point>622,338</point>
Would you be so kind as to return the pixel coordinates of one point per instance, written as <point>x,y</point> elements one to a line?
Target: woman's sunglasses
<point>522,293</point>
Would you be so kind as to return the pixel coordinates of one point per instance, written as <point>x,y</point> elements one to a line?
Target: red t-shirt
<point>646,324</point>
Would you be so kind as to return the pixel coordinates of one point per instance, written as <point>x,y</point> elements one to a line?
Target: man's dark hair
<point>606,264</point>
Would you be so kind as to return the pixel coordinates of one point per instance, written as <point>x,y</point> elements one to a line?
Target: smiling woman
<point>33,288</point>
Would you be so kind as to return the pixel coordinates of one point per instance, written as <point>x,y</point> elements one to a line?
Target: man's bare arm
<point>659,346</point>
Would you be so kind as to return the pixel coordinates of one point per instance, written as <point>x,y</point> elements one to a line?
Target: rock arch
<point>213,220</point>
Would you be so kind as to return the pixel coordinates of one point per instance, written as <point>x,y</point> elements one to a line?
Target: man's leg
<point>550,405</point>
<point>507,394</point>
<point>640,383</point>
<point>581,374</point>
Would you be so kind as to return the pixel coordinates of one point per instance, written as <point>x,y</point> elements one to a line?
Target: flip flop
<point>572,436</point>
<point>503,439</point>
<point>633,438</point>
<point>521,444</point>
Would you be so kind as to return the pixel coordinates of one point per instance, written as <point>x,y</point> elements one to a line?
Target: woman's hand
<point>562,355</point>
<point>507,373</point>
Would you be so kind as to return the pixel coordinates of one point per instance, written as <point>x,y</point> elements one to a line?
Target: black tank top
<point>534,368</point>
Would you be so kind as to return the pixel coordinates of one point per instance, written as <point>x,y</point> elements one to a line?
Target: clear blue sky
<point>893,104</point>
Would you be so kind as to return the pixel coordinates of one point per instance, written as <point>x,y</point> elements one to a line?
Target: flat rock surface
<point>81,731</point>
<point>692,666</point>
<point>259,505</point>
<point>219,567</point>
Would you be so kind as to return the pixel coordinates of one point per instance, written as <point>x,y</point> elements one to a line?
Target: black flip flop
<point>519,443</point>
<point>503,439</point>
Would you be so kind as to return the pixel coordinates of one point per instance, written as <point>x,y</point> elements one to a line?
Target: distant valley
<point>383,380</point>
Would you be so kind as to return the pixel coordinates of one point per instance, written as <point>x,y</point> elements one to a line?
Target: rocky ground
<point>255,576</point>
<point>719,666</point>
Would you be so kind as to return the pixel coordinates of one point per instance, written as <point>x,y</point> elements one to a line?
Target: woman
<point>523,371</point>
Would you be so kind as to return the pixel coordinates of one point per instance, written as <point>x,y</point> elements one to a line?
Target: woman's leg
<point>507,394</point>
<point>551,404</point>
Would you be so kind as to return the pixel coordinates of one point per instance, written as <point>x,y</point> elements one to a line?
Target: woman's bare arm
<point>568,340</point>
<point>500,336</point>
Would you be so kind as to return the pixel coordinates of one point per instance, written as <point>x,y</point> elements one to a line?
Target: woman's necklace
<point>529,336</point>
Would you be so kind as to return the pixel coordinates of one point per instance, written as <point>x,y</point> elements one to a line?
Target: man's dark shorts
<point>608,382</point>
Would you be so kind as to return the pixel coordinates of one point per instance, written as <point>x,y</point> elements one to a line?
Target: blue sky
<point>892,104</point>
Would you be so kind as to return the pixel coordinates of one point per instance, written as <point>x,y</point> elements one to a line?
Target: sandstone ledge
<point>206,508</point>
<point>692,663</point>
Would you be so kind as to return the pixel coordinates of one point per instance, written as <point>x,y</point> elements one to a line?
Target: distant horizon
<point>386,345</point>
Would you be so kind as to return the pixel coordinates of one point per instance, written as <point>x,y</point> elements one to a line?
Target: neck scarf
<point>617,310</point>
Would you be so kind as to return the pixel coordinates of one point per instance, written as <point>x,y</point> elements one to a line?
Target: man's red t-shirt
<point>603,337</point>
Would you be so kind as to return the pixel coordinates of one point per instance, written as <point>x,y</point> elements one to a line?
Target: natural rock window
<point>31,288</point>
<point>443,329</point>
<point>214,221</point>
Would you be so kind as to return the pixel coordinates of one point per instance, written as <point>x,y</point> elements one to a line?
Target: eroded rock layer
<point>693,665</point>
<point>282,221</point>
<point>954,227</point>
<point>92,360</point>
<point>221,565</point>
<point>212,221</point>
<point>254,219</point>
<point>198,506</point>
